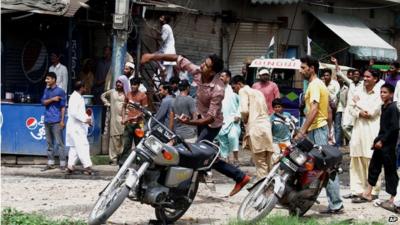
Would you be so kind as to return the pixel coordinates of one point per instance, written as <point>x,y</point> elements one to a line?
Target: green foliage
<point>11,216</point>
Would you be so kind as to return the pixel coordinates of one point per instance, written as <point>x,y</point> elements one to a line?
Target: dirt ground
<point>73,198</point>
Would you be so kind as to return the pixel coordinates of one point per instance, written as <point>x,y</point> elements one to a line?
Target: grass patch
<point>291,220</point>
<point>100,159</point>
<point>11,216</point>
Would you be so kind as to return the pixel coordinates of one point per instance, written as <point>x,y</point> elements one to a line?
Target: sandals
<point>88,171</point>
<point>361,199</point>
<point>390,206</point>
<point>350,196</point>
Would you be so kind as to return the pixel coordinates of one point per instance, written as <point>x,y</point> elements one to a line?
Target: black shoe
<point>48,167</point>
<point>332,211</point>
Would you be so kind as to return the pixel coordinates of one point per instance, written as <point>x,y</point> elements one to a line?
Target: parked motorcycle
<point>163,171</point>
<point>295,181</point>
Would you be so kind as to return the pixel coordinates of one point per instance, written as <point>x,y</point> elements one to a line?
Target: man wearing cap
<point>269,89</point>
<point>129,70</point>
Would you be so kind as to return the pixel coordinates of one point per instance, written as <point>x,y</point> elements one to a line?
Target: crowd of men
<point>358,106</point>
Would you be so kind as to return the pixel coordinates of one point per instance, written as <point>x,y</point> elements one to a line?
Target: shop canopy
<point>66,8</point>
<point>364,43</point>
<point>293,64</point>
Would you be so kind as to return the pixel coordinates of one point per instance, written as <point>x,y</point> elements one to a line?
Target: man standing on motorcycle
<point>210,93</point>
<point>315,126</point>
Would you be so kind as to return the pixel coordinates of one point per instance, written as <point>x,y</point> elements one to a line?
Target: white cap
<point>264,71</point>
<point>130,65</point>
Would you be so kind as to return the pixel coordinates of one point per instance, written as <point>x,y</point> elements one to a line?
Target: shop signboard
<point>23,131</point>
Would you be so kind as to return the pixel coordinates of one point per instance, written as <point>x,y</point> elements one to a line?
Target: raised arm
<point>147,57</point>
<point>339,71</point>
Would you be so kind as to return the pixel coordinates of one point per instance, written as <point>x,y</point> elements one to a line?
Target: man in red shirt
<point>210,93</point>
<point>269,89</point>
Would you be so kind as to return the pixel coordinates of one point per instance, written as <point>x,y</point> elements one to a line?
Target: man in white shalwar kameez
<point>365,107</point>
<point>77,130</point>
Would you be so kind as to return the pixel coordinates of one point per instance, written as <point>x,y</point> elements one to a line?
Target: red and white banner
<point>293,64</point>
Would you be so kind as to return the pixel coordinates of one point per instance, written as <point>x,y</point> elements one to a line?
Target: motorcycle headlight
<point>298,157</point>
<point>153,144</point>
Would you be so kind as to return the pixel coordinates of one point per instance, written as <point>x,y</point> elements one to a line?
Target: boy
<point>280,131</point>
<point>384,148</point>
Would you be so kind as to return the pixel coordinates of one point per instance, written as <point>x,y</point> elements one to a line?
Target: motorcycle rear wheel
<point>171,215</point>
<point>109,201</point>
<point>263,204</point>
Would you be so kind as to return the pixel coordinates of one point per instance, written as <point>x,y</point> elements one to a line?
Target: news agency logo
<point>393,219</point>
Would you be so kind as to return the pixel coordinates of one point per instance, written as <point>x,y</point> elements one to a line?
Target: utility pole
<point>120,38</point>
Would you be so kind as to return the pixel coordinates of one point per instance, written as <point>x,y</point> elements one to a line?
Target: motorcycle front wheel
<point>109,201</point>
<point>171,215</point>
<point>258,203</point>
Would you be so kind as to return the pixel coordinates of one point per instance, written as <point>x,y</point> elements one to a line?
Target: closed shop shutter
<point>252,40</point>
<point>197,36</point>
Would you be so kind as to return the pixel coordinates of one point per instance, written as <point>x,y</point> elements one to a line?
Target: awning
<point>66,8</point>
<point>275,1</point>
<point>364,43</point>
<point>166,6</point>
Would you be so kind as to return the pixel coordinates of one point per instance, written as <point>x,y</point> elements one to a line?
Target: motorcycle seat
<point>331,158</point>
<point>201,155</point>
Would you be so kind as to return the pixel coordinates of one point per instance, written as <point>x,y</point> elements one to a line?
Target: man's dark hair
<point>310,61</point>
<point>395,64</point>
<point>357,71</point>
<point>227,72</point>
<point>167,86</point>
<point>135,81</point>
<point>183,85</point>
<point>350,71</point>
<point>276,102</point>
<point>375,73</point>
<point>389,87</point>
<point>238,79</point>
<point>174,80</point>
<point>78,85</point>
<point>52,75</point>
<point>167,18</point>
<point>326,70</point>
<point>217,63</point>
<point>57,53</point>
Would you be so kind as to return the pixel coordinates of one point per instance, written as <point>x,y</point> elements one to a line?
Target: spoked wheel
<point>258,203</point>
<point>170,215</point>
<point>109,201</point>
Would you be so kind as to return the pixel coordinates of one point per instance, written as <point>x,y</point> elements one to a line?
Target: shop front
<point>27,42</point>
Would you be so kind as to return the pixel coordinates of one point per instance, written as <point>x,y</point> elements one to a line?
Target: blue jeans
<point>55,142</point>
<point>338,129</point>
<point>320,137</point>
<point>208,133</point>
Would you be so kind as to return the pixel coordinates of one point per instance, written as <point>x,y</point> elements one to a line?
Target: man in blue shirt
<point>54,99</point>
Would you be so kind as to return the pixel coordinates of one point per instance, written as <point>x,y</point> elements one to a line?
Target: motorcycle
<point>163,171</point>
<point>295,181</point>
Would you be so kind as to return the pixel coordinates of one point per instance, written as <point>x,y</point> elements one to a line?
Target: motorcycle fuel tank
<point>177,175</point>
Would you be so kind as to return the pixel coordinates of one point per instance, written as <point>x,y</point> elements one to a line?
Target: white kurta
<point>364,130</point>
<point>76,132</point>
<point>62,75</point>
<point>76,128</point>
